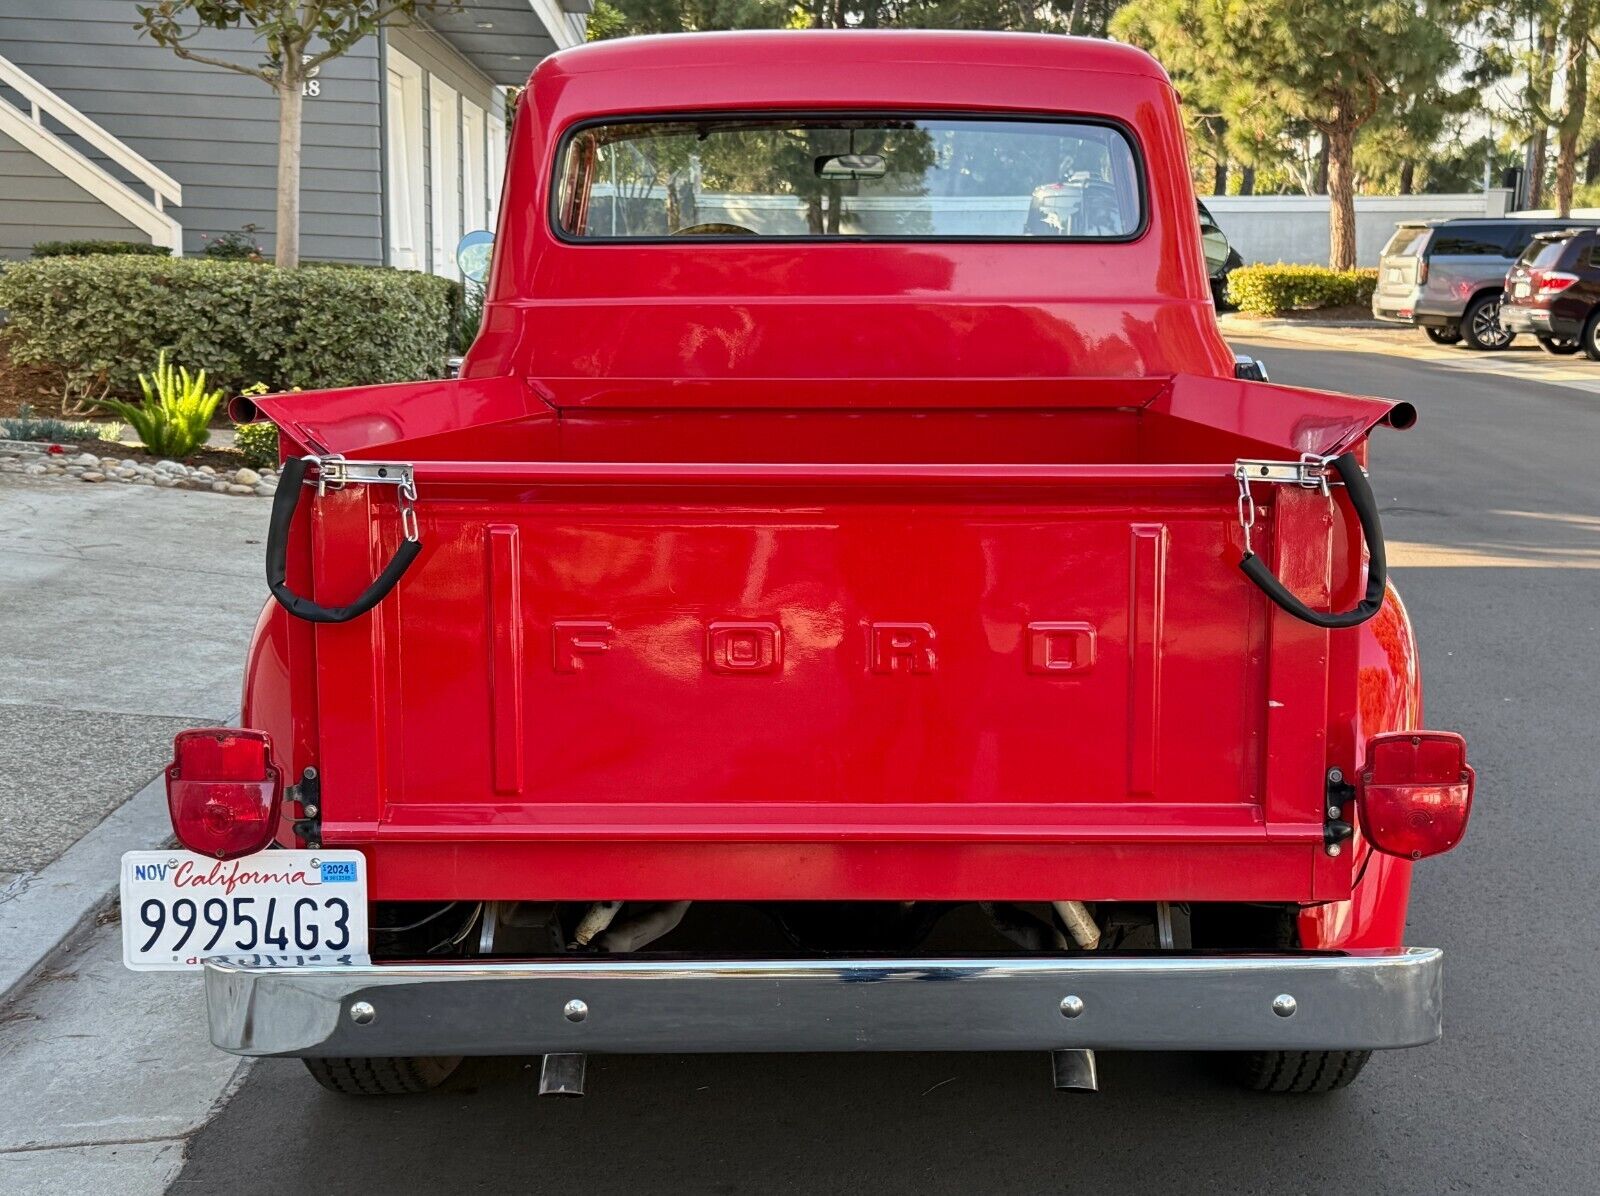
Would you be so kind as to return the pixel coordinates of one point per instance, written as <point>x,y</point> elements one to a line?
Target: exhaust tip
<point>1402,416</point>
<point>1074,1071</point>
<point>243,411</point>
<point>562,1075</point>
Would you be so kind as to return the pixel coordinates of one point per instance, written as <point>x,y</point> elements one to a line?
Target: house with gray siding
<point>105,135</point>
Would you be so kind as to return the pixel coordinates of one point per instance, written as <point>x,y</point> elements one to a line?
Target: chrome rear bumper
<point>612,1005</point>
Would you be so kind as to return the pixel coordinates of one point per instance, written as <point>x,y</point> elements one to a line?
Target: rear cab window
<point>843,177</point>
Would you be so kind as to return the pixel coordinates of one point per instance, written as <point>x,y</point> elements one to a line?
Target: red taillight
<point>223,791</point>
<point>1416,792</point>
<point>1550,282</point>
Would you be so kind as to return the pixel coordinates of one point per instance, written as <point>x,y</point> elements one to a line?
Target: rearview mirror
<point>852,166</point>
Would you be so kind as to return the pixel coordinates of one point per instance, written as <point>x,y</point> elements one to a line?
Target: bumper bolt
<point>362,1013</point>
<point>1071,1006</point>
<point>575,1010</point>
<point>1284,1005</point>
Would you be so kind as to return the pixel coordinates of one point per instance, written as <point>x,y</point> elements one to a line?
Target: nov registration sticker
<point>272,909</point>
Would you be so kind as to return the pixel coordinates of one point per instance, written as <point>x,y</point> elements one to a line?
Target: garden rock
<point>37,461</point>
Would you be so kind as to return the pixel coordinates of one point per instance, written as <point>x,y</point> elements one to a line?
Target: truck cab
<point>848,601</point>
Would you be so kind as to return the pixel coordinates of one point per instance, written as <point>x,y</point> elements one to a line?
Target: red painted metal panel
<point>507,639</point>
<point>498,869</point>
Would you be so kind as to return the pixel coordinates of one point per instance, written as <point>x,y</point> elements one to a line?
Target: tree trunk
<point>1075,20</point>
<point>1591,162</point>
<point>1577,103</point>
<point>1219,177</point>
<point>1536,164</point>
<point>1322,167</point>
<point>290,105</point>
<point>1408,176</point>
<point>1247,180</point>
<point>1543,66</point>
<point>1340,145</point>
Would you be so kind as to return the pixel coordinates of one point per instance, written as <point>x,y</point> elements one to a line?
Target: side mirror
<point>1216,247</point>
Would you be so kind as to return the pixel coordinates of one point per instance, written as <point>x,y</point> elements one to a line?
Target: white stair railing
<point>28,128</point>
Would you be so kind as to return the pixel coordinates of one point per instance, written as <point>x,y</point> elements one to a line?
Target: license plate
<point>272,909</point>
<point>1521,290</point>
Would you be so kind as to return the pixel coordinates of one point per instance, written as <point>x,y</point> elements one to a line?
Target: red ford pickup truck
<point>850,600</point>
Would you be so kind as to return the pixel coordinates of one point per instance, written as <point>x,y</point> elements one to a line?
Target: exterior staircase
<point>72,144</point>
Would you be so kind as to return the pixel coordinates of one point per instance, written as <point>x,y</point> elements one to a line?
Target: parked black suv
<point>1553,291</point>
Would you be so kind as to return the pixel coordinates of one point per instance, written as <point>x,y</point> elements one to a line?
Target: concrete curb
<point>1231,322</point>
<point>39,911</point>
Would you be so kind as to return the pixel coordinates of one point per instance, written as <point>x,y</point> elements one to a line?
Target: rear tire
<point>1561,346</point>
<point>1444,336</point>
<point>396,1075</point>
<point>1480,324</point>
<point>1278,1071</point>
<point>1298,1071</point>
<point>1591,337</point>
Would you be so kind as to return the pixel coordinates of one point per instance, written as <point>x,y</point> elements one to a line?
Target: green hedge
<point>1273,290</point>
<point>103,319</point>
<point>85,248</point>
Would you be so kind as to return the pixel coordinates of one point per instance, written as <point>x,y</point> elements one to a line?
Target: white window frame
<point>495,176</point>
<point>474,157</point>
<point>403,170</point>
<point>444,167</point>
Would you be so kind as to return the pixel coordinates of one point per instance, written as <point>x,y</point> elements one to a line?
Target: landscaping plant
<point>175,417</point>
<point>239,246</point>
<point>258,443</point>
<point>26,426</point>
<point>1273,290</point>
<point>86,248</point>
<point>96,318</point>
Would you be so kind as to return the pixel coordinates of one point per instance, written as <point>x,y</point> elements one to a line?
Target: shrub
<point>26,426</point>
<point>85,248</point>
<point>1273,290</point>
<point>175,417</point>
<point>468,318</point>
<point>239,246</point>
<point>96,318</point>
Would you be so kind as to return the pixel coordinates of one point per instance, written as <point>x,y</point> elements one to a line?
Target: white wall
<point>1294,228</point>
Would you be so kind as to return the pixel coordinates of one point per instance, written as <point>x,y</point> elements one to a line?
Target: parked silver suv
<point>1447,277</point>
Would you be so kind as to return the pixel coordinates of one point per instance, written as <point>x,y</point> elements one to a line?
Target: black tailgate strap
<point>1366,509</point>
<point>287,499</point>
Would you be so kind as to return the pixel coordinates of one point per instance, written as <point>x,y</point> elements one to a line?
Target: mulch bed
<point>1318,315</point>
<point>34,386</point>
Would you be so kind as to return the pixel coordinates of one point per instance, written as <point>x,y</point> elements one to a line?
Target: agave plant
<point>175,417</point>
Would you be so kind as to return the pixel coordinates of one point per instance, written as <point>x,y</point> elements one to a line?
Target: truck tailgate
<point>766,677</point>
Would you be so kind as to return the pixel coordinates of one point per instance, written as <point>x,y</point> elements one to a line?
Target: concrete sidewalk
<point>126,612</point>
<point>124,617</point>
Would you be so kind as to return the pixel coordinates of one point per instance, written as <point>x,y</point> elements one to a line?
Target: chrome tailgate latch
<point>1311,472</point>
<point>336,472</point>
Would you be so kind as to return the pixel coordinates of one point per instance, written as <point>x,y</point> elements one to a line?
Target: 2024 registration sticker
<point>276,908</point>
